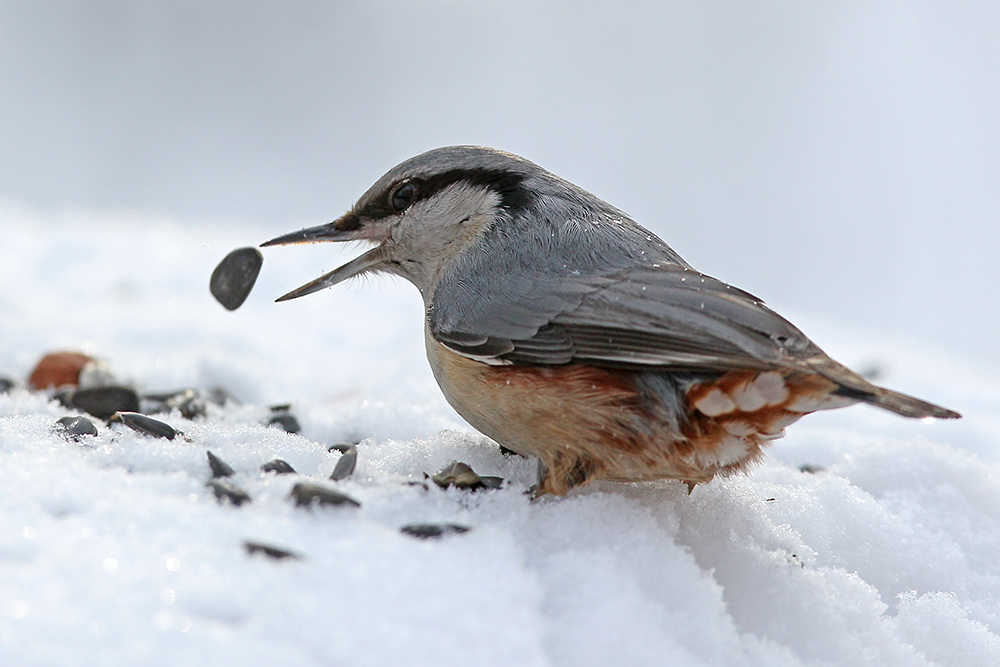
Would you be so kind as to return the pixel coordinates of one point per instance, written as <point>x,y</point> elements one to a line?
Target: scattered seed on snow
<point>228,491</point>
<point>219,467</point>
<point>103,402</point>
<point>305,493</point>
<point>433,530</point>
<point>345,466</point>
<point>269,551</point>
<point>74,428</point>
<point>278,466</point>
<point>462,476</point>
<point>143,424</point>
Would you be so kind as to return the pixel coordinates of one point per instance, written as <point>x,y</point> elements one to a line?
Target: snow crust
<point>113,552</point>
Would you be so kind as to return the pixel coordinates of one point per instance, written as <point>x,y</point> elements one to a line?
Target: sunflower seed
<point>187,401</point>
<point>74,428</point>
<point>462,476</point>
<point>235,276</point>
<point>228,491</point>
<point>305,493</point>
<point>278,466</point>
<point>281,416</point>
<point>103,402</point>
<point>345,466</point>
<point>219,467</point>
<point>269,551</point>
<point>433,530</point>
<point>143,424</point>
<point>491,482</point>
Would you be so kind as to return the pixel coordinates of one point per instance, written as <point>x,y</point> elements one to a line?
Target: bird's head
<point>424,212</point>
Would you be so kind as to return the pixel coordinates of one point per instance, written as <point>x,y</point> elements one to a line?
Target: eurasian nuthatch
<point>562,329</point>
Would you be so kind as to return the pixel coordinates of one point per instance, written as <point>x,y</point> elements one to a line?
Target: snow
<point>113,552</point>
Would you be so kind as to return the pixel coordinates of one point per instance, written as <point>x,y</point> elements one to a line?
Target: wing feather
<point>649,316</point>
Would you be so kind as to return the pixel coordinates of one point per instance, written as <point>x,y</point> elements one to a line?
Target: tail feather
<point>898,402</point>
<point>853,385</point>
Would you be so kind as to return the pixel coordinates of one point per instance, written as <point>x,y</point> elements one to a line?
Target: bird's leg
<point>564,473</point>
<point>537,489</point>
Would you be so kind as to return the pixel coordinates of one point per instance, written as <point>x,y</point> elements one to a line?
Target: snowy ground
<point>113,552</point>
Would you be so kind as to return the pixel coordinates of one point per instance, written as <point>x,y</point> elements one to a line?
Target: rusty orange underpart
<point>586,422</point>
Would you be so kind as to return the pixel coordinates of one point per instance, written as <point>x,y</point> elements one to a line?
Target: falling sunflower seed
<point>234,277</point>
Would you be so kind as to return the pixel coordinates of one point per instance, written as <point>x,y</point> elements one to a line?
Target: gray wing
<point>664,316</point>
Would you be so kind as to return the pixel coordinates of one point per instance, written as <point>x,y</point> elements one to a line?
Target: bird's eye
<point>402,197</point>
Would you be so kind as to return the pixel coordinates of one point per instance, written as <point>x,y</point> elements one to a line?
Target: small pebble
<point>810,468</point>
<point>269,551</point>
<point>58,369</point>
<point>234,277</point>
<point>433,530</point>
<point>462,476</point>
<point>143,424</point>
<point>6,384</point>
<point>74,428</point>
<point>305,493</point>
<point>219,467</point>
<point>103,402</point>
<point>345,466</point>
<point>278,466</point>
<point>228,491</point>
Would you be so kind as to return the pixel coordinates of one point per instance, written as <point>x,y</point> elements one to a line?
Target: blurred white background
<point>840,160</point>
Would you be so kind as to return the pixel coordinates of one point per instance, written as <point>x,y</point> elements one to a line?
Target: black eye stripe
<point>508,185</point>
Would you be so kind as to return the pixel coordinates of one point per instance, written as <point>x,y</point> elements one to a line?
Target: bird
<point>560,328</point>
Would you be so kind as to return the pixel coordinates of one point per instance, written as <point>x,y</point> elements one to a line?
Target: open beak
<point>338,230</point>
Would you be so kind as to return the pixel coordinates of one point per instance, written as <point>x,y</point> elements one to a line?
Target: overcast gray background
<point>842,160</point>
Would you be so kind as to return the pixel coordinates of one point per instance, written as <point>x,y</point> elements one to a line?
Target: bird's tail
<point>852,385</point>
